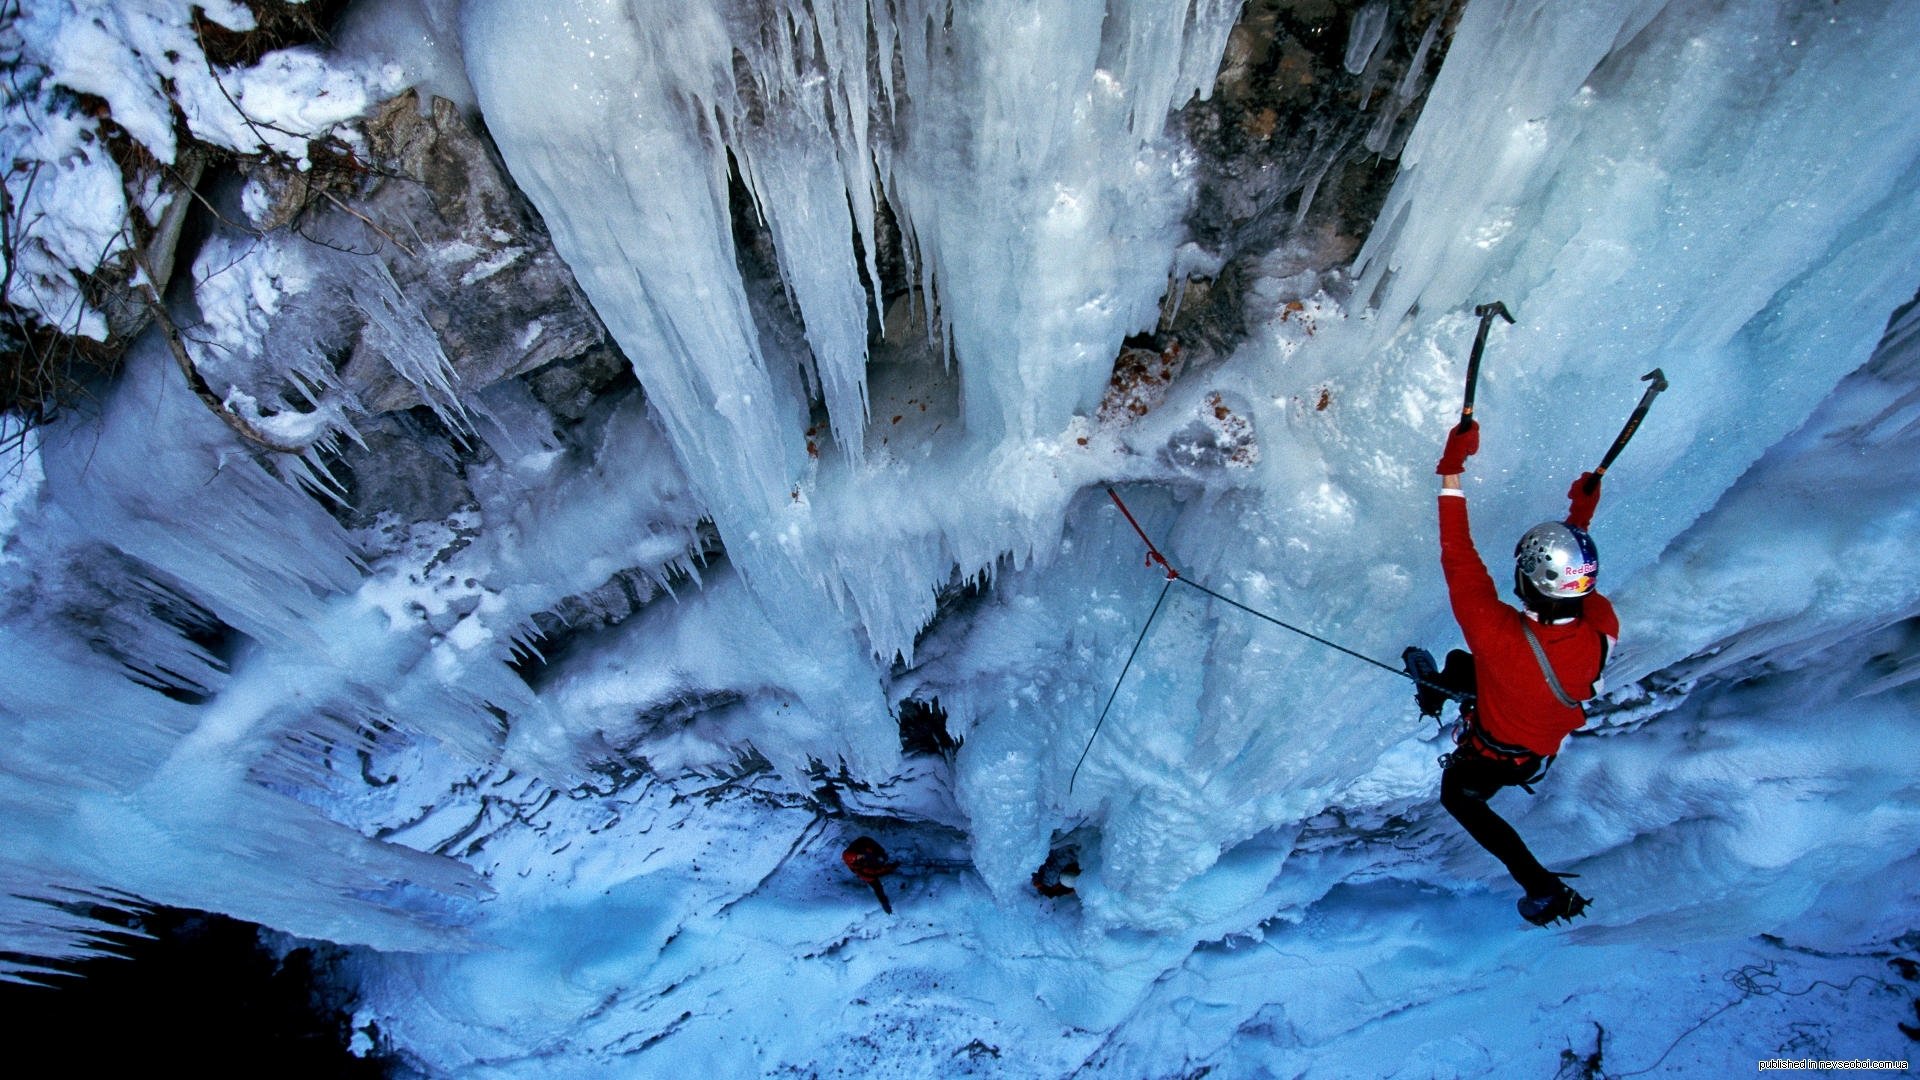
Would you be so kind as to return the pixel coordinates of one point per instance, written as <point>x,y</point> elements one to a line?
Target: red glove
<point>1582,497</point>
<point>1461,445</point>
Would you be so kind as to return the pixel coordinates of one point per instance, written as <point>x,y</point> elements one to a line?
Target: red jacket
<point>1514,702</point>
<point>868,860</point>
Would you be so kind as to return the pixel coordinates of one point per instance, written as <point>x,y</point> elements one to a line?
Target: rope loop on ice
<point>1154,557</point>
<point>1137,642</point>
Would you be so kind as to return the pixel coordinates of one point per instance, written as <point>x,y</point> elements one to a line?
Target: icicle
<point>398,332</point>
<point>1363,35</point>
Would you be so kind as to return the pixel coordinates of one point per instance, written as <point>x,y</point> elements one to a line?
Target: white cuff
<point>1455,492</point>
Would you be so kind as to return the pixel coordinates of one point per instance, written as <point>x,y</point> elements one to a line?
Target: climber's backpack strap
<point>1553,681</point>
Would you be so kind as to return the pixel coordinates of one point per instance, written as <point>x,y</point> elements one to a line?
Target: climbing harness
<point>1471,739</point>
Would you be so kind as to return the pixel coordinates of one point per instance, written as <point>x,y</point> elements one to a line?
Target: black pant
<point>1470,780</point>
<point>1466,785</point>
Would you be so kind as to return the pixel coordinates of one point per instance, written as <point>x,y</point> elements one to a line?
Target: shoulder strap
<point>1540,654</point>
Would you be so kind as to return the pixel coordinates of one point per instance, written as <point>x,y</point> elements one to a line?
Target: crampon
<point>1561,905</point>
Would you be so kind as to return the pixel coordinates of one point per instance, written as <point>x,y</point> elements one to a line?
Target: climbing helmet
<point>1558,560</point>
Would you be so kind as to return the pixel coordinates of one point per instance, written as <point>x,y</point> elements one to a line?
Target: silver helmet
<point>1558,560</point>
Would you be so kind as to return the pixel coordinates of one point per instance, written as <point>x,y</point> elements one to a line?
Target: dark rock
<point>407,467</point>
<point>923,728</point>
<point>198,994</point>
<point>466,249</point>
<point>609,604</point>
<point>627,592</point>
<point>568,388</point>
<point>1297,147</point>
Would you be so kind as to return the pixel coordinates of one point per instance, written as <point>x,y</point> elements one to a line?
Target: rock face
<point>1301,140</point>
<point>468,251</point>
<point>446,285</point>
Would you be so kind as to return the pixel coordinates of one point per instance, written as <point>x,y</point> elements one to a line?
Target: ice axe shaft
<point>1486,313</point>
<point>1659,380</point>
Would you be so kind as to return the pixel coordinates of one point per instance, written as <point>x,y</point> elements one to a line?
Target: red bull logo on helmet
<point>1576,580</point>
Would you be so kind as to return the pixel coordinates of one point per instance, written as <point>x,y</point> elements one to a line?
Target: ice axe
<point>1659,380</point>
<point>1486,313</point>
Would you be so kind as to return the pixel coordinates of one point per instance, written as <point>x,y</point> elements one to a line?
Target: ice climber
<point>1059,874</point>
<point>869,862</point>
<point>1527,670</point>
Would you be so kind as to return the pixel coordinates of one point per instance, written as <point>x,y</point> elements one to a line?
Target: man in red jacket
<point>869,862</point>
<point>1528,670</point>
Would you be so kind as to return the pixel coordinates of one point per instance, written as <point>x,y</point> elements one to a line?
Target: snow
<point>66,175</point>
<point>74,213</point>
<point>144,58</point>
<point>622,858</point>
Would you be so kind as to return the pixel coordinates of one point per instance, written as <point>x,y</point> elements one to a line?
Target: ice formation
<point>632,842</point>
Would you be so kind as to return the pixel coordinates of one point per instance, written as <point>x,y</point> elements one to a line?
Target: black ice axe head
<point>1486,312</point>
<point>1659,380</point>
<point>1494,308</point>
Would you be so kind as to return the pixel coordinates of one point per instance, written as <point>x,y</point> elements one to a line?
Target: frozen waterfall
<point>871,262</point>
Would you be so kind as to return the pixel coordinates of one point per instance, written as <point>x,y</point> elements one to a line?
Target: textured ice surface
<point>1623,129</point>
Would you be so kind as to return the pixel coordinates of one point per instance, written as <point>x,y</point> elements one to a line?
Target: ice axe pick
<point>1486,313</point>
<point>1659,380</point>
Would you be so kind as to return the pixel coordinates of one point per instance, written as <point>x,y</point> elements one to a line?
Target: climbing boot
<point>1427,692</point>
<point>1561,904</point>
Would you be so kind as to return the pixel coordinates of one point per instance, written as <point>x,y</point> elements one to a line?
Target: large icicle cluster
<point>141,764</point>
<point>1020,149</point>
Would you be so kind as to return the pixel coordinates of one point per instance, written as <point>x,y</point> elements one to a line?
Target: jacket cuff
<point>1455,492</point>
